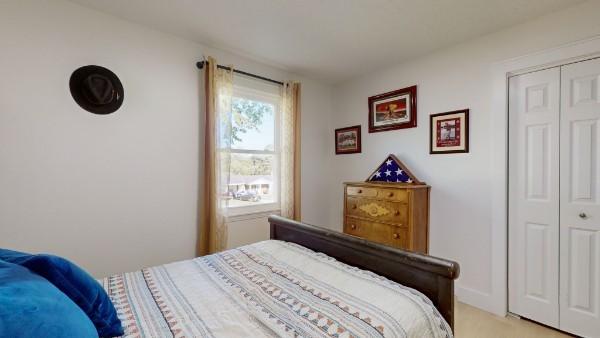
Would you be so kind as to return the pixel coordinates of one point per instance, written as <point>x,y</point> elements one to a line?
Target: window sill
<point>244,215</point>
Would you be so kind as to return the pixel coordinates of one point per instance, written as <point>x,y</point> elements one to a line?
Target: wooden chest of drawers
<point>394,214</point>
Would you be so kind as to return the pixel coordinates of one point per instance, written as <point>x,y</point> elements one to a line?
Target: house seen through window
<point>252,182</point>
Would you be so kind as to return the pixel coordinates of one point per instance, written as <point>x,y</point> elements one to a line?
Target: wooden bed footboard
<point>432,276</point>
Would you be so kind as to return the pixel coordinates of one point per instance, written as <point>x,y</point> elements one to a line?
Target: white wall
<point>113,193</point>
<point>247,229</point>
<point>455,78</point>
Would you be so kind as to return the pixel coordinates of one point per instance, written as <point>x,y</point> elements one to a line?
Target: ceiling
<point>328,40</point>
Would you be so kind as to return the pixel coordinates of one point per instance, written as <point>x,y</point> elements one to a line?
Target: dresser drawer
<point>378,210</point>
<point>361,191</point>
<point>378,233</point>
<point>400,195</point>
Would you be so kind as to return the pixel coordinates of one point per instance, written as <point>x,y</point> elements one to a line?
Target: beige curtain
<point>290,151</point>
<point>212,229</point>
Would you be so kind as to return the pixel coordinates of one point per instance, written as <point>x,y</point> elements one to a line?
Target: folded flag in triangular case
<point>394,171</point>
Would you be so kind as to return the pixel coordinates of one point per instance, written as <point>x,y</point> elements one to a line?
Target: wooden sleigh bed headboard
<point>434,277</point>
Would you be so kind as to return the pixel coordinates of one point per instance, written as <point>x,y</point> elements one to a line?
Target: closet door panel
<point>579,200</point>
<point>583,149</point>
<point>583,246</point>
<point>534,189</point>
<point>537,155</point>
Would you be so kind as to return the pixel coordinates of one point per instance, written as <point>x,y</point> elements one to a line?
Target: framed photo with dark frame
<point>449,132</point>
<point>393,110</point>
<point>347,140</point>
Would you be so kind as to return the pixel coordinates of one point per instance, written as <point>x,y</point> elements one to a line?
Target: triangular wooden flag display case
<point>392,170</point>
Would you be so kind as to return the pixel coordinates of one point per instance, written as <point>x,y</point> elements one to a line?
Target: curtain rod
<point>200,65</point>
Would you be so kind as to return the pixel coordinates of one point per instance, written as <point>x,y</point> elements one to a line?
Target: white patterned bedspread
<point>269,289</point>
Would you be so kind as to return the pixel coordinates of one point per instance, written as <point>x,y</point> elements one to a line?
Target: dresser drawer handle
<point>396,236</point>
<point>359,191</point>
<point>397,213</point>
<point>391,194</point>
<point>354,206</point>
<point>353,226</point>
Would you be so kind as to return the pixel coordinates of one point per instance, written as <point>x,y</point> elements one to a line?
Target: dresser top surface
<point>388,185</point>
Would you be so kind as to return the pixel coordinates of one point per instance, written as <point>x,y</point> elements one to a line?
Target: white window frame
<point>262,96</point>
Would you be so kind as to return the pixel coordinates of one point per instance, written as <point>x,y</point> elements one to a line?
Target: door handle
<point>582,215</point>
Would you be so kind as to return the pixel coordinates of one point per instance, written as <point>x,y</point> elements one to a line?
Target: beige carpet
<point>471,322</point>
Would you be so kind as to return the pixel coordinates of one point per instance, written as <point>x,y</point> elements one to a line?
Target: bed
<point>305,281</point>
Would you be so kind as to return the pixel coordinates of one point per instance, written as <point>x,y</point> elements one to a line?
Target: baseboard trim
<point>478,299</point>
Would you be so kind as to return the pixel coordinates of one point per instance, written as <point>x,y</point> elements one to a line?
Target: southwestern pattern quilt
<point>269,289</point>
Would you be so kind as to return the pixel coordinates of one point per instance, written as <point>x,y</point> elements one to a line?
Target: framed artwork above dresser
<point>394,213</point>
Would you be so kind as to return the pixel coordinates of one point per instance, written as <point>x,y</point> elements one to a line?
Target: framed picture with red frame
<point>347,140</point>
<point>393,110</point>
<point>449,132</point>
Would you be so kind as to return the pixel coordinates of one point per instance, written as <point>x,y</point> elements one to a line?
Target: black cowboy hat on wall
<point>96,89</point>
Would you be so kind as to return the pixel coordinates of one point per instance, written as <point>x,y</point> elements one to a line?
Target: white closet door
<point>580,199</point>
<point>534,196</point>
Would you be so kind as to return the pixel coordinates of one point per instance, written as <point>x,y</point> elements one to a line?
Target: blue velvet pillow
<point>77,284</point>
<point>31,307</point>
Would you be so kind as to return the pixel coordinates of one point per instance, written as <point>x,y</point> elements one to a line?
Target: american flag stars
<point>390,171</point>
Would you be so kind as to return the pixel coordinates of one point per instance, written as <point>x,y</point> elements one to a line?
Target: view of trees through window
<point>251,137</point>
<point>250,165</point>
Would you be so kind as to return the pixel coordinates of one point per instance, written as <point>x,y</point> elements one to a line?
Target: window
<point>253,180</point>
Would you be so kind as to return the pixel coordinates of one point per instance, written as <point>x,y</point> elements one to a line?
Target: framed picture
<point>449,132</point>
<point>347,140</point>
<point>393,110</point>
